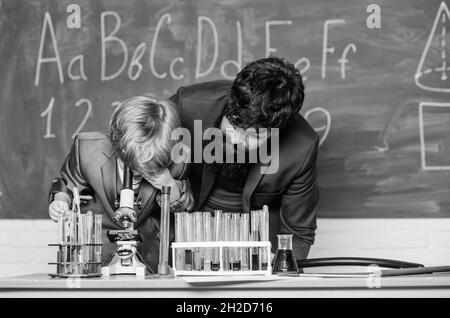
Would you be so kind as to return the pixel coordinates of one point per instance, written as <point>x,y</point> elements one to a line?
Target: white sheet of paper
<point>212,280</point>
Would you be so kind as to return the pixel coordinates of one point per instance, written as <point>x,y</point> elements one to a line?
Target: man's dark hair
<point>266,93</point>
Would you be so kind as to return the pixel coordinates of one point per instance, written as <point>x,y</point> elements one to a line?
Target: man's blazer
<point>291,193</point>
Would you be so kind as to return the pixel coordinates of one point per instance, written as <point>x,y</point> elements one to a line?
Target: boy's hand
<point>56,208</point>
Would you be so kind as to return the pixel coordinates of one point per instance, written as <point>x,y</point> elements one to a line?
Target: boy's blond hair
<point>140,132</point>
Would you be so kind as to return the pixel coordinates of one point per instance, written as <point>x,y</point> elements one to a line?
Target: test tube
<point>227,237</point>
<point>73,241</point>
<point>98,240</point>
<point>215,263</point>
<point>244,237</point>
<point>67,242</point>
<point>255,238</point>
<point>179,237</point>
<point>60,240</point>
<point>264,235</point>
<point>86,241</point>
<point>198,254</point>
<point>89,249</point>
<point>82,242</point>
<point>207,238</point>
<point>189,220</point>
<point>235,225</point>
<point>163,265</point>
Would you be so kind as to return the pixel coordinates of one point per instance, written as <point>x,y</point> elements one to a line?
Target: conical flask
<point>285,261</point>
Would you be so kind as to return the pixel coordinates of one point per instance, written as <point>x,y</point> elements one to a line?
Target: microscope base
<point>116,267</point>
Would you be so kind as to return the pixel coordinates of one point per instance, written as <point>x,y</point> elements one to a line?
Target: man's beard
<point>233,170</point>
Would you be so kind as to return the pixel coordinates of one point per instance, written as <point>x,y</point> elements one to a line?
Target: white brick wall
<point>23,245</point>
<point>426,241</point>
<point>24,249</point>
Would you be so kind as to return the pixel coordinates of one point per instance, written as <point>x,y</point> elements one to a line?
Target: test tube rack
<point>76,269</point>
<point>221,245</point>
<point>79,245</point>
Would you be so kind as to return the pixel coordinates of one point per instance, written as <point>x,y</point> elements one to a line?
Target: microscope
<point>125,260</point>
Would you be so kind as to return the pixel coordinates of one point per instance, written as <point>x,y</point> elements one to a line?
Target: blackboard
<point>383,110</point>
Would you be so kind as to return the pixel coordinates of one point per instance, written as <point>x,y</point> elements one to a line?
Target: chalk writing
<point>269,49</point>
<point>238,63</point>
<point>343,60</point>
<point>206,52</point>
<point>135,62</point>
<point>428,68</point>
<point>86,116</point>
<point>307,64</point>
<point>48,112</point>
<point>325,48</point>
<point>111,38</point>
<point>422,106</point>
<point>152,51</point>
<point>206,58</point>
<point>324,128</point>
<point>82,74</point>
<point>198,72</point>
<point>55,59</point>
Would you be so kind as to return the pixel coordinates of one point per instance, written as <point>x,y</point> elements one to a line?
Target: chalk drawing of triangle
<point>433,71</point>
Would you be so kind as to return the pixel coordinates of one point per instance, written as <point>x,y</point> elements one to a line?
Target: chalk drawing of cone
<point>433,74</point>
<point>433,71</point>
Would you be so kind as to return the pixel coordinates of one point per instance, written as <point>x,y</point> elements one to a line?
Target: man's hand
<point>57,208</point>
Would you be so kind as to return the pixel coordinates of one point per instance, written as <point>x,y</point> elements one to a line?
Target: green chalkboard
<point>378,96</point>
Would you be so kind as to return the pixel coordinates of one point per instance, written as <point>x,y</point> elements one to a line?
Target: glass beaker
<point>285,261</point>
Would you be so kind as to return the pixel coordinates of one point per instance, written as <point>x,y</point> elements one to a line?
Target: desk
<point>41,285</point>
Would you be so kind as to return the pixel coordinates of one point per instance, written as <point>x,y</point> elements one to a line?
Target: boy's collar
<point>108,149</point>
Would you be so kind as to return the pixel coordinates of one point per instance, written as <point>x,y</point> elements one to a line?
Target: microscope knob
<point>116,204</point>
<point>132,216</point>
<point>117,216</point>
<point>138,204</point>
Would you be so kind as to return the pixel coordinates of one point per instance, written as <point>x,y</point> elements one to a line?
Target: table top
<point>237,286</point>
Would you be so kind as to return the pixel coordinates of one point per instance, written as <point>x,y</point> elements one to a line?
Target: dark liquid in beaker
<point>188,260</point>
<point>255,262</point>
<point>285,262</point>
<point>236,266</point>
<point>215,266</point>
